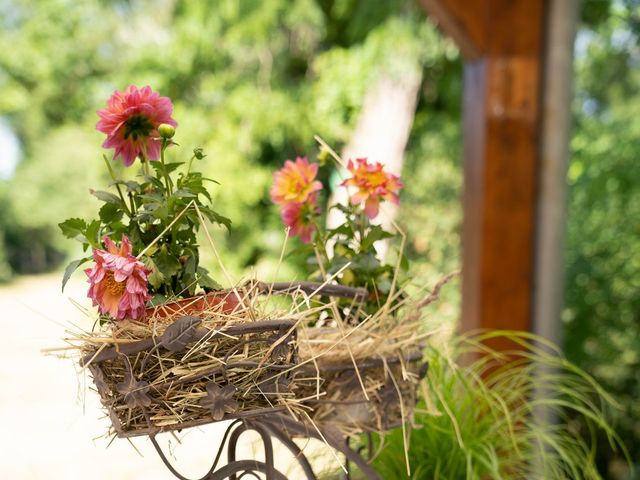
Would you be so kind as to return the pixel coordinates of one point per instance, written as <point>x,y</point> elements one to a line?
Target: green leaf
<point>154,181</point>
<point>191,263</point>
<point>72,267</point>
<point>131,185</point>
<point>151,197</point>
<point>134,236</point>
<point>73,227</point>
<point>183,192</point>
<point>143,217</point>
<point>157,299</point>
<point>193,182</point>
<point>156,210</point>
<point>344,229</point>
<point>216,217</point>
<point>167,263</point>
<point>205,281</point>
<point>156,278</point>
<point>376,233</point>
<point>346,209</point>
<point>106,197</point>
<point>110,213</point>
<point>343,248</point>
<point>404,262</point>
<point>150,251</point>
<point>169,167</point>
<point>366,262</point>
<point>222,220</point>
<point>337,262</point>
<point>92,233</point>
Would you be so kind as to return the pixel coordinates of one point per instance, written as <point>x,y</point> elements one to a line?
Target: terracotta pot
<point>224,301</point>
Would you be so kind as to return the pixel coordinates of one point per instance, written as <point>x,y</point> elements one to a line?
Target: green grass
<point>485,419</point>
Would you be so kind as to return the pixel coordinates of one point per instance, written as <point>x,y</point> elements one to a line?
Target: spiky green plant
<point>500,415</point>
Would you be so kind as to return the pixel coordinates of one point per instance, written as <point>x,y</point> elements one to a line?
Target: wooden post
<point>502,45</point>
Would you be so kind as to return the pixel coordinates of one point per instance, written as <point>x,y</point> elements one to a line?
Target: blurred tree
<point>252,82</point>
<point>602,313</point>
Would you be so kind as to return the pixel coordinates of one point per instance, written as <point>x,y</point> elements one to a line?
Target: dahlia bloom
<point>118,281</point>
<point>372,184</point>
<point>131,122</point>
<point>299,218</point>
<point>295,182</point>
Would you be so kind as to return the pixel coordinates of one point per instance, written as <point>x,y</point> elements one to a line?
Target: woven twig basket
<point>144,393</point>
<point>377,395</point>
<point>190,373</point>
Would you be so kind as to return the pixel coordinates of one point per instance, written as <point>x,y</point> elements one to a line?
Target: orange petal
<point>110,303</point>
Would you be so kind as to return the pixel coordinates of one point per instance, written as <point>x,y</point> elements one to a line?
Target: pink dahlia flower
<point>118,281</point>
<point>299,218</point>
<point>372,184</point>
<point>295,182</point>
<point>131,122</point>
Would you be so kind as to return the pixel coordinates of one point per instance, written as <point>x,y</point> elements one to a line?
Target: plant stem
<point>143,161</point>
<point>132,203</point>
<point>320,241</point>
<point>113,177</point>
<point>360,222</point>
<point>189,164</point>
<point>167,179</point>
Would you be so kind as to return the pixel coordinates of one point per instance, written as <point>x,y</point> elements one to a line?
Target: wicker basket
<point>143,387</point>
<point>381,394</point>
<point>192,372</point>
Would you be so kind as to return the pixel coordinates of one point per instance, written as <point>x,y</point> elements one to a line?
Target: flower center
<point>137,126</point>
<point>113,287</point>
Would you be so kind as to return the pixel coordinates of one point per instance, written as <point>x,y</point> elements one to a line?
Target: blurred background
<point>253,81</point>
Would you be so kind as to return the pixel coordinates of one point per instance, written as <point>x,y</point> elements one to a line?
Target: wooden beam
<point>460,19</point>
<point>502,132</point>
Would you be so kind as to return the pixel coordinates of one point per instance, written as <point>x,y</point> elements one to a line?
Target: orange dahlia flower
<point>295,182</point>
<point>372,185</point>
<point>299,218</point>
<point>131,122</point>
<point>118,281</point>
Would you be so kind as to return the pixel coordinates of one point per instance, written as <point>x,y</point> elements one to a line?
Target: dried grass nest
<point>172,371</point>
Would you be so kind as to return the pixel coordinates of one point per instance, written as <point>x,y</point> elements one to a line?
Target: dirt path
<point>48,423</point>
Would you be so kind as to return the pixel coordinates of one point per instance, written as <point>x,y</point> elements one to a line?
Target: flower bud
<point>166,131</point>
<point>198,153</point>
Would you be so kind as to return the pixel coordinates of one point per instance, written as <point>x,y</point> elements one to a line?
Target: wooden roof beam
<point>462,21</point>
<point>502,42</point>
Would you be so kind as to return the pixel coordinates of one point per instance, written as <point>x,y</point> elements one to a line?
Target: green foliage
<point>602,306</point>
<point>161,215</point>
<point>251,82</point>
<point>353,245</point>
<point>485,419</point>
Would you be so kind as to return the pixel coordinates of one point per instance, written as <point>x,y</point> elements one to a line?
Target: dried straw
<point>177,380</point>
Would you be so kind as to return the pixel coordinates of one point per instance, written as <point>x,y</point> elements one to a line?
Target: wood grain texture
<point>502,134</point>
<point>463,21</point>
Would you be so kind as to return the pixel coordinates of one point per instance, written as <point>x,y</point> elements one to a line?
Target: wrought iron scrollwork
<point>281,427</point>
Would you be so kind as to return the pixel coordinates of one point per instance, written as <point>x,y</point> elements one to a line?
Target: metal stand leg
<point>277,426</point>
